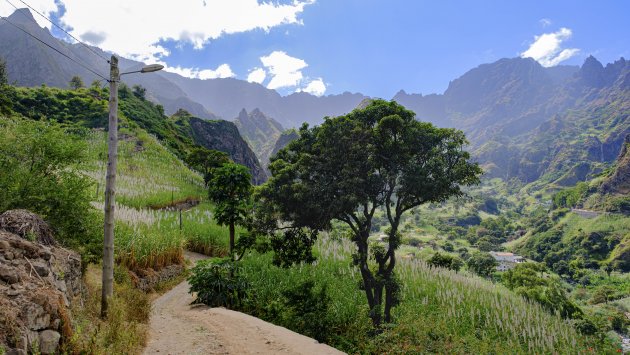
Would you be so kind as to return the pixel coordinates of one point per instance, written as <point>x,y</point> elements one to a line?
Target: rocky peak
<point>592,73</point>
<point>22,16</point>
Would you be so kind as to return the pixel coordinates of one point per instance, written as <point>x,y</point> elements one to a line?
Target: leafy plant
<point>218,283</point>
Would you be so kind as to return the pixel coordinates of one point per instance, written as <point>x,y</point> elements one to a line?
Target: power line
<point>66,32</point>
<point>55,49</point>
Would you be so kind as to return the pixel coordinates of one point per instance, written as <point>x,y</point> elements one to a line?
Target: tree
<point>76,82</point>
<point>4,77</point>
<point>446,261</point>
<point>139,91</point>
<point>230,189</point>
<point>6,91</point>
<point>482,264</point>
<point>205,160</point>
<point>377,157</point>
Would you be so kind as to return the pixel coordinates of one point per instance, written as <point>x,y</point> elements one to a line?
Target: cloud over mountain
<point>547,48</point>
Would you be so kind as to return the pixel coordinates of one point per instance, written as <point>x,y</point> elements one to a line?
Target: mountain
<point>222,136</point>
<point>619,181</point>
<point>285,138</point>
<point>228,96</point>
<point>31,63</point>
<point>260,131</point>
<point>523,120</point>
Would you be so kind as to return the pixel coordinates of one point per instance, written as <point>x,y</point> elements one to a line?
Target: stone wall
<point>37,285</point>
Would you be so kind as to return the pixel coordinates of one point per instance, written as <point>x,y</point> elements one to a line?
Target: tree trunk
<point>110,189</point>
<point>232,240</point>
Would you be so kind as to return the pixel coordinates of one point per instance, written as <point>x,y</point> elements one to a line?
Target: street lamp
<point>110,179</point>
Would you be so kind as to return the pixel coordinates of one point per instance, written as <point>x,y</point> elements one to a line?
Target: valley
<point>503,204</point>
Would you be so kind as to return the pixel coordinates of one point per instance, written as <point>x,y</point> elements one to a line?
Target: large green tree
<point>230,189</point>
<point>375,157</point>
<point>205,160</point>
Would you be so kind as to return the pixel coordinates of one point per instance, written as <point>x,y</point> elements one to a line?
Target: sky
<point>375,47</point>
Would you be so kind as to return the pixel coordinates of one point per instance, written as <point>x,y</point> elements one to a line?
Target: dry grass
<point>125,329</point>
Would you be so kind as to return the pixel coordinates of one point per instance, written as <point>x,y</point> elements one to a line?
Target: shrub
<point>218,283</point>
<point>39,163</point>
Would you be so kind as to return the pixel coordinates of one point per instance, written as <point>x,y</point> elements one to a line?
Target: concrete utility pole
<point>110,179</point>
<point>110,187</point>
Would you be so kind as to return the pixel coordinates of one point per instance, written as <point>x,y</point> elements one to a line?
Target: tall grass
<point>150,175</point>
<point>441,311</point>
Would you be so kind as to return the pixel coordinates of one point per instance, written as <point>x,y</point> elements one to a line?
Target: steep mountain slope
<point>619,181</point>
<point>31,63</point>
<point>260,131</point>
<point>228,96</point>
<point>179,133</point>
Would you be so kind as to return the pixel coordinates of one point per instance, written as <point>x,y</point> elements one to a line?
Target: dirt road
<point>178,328</point>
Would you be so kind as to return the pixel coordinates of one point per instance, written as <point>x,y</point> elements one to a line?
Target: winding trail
<point>176,327</point>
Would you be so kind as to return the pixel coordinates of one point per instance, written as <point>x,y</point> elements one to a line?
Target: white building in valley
<point>506,261</point>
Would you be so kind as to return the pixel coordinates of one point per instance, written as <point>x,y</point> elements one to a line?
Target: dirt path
<point>178,328</point>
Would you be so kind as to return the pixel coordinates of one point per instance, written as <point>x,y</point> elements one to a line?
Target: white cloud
<point>286,71</point>
<point>257,75</point>
<point>544,22</point>
<point>222,71</point>
<point>315,87</point>
<point>45,7</point>
<point>134,28</point>
<point>547,48</point>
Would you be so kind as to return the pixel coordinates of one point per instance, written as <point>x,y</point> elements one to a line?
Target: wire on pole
<point>66,32</point>
<point>55,49</point>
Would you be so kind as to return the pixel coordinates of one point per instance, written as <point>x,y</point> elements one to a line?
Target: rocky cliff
<point>619,181</point>
<point>38,282</point>
<point>224,136</point>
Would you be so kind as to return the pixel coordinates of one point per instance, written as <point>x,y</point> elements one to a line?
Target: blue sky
<point>375,47</point>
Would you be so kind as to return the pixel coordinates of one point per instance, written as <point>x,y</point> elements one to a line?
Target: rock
<point>16,352</point>
<point>48,341</point>
<point>9,255</point>
<point>36,317</point>
<point>9,275</point>
<point>42,269</point>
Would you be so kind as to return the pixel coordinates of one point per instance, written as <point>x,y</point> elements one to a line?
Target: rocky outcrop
<point>224,136</point>
<point>37,285</point>
<point>260,131</point>
<point>619,181</point>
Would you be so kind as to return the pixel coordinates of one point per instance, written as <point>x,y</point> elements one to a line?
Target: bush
<point>218,283</point>
<point>305,310</point>
<point>39,163</point>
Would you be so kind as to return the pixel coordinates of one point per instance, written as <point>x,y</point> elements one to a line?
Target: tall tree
<point>230,189</point>
<point>76,82</point>
<point>140,92</point>
<point>350,166</point>
<point>205,160</point>
<point>6,91</point>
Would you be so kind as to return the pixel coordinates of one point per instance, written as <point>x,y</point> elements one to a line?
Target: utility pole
<point>110,188</point>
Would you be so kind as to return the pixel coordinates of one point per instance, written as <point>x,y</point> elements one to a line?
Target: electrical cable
<point>55,49</point>
<point>66,32</point>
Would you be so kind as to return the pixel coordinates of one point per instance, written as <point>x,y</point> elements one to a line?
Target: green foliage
<point>527,279</point>
<point>140,92</point>
<point>206,160</point>
<point>230,189</point>
<point>39,162</point>
<point>305,310</point>
<point>481,263</point>
<point>76,83</point>
<point>570,197</point>
<point>4,78</point>
<point>377,156</point>
<point>218,283</point>
<point>446,261</point>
